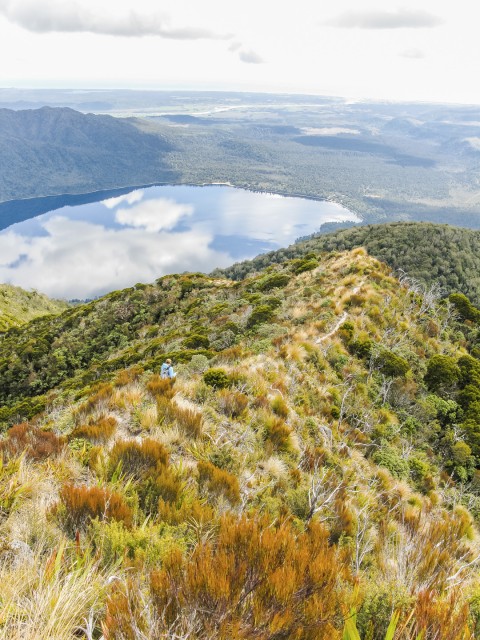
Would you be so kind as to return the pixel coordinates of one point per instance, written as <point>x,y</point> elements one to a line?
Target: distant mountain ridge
<point>432,253</point>
<point>58,150</point>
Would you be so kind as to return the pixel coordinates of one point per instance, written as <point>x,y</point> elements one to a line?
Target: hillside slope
<point>434,254</point>
<point>317,454</point>
<point>18,306</point>
<point>58,150</point>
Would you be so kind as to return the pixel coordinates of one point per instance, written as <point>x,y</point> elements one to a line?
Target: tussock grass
<point>51,596</point>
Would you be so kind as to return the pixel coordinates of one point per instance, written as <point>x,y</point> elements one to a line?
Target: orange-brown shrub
<point>100,399</point>
<point>232,403</point>
<point>441,617</point>
<point>127,376</point>
<point>218,482</point>
<point>125,612</point>
<point>256,581</point>
<point>37,444</point>
<point>82,504</point>
<point>99,431</point>
<point>138,459</point>
<point>158,386</point>
<point>189,421</point>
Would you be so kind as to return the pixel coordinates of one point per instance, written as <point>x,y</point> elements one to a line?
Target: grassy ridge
<point>432,253</point>
<point>318,454</point>
<point>18,306</point>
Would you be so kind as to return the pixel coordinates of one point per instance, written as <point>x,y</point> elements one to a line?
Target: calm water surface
<point>85,250</point>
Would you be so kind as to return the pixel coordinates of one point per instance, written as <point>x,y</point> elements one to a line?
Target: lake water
<point>85,250</point>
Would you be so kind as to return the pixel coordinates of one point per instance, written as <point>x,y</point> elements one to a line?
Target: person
<point>167,370</point>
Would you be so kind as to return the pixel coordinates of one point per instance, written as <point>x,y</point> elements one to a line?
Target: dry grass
<point>49,596</point>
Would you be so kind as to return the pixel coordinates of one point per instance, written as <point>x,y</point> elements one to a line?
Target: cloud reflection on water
<point>88,250</point>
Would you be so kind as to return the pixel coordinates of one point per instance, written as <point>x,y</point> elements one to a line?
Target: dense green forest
<point>441,256</point>
<point>312,472</point>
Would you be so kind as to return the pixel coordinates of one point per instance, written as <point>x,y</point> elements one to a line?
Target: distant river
<point>90,247</point>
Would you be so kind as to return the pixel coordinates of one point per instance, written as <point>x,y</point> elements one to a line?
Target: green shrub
<point>217,378</point>
<point>391,364</point>
<point>196,341</point>
<point>442,373</point>
<point>361,347</point>
<point>262,313</point>
<point>302,265</point>
<point>273,281</point>
<point>389,458</point>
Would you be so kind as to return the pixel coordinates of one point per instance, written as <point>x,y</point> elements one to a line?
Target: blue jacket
<point>167,371</point>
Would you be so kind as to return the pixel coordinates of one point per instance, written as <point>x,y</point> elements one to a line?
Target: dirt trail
<point>341,320</point>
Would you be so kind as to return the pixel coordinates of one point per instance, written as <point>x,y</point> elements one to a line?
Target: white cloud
<point>80,259</point>
<point>129,198</point>
<point>474,143</point>
<point>73,17</point>
<point>154,215</point>
<point>381,19</point>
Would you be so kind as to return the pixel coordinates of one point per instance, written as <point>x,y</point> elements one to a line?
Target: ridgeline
<point>433,254</point>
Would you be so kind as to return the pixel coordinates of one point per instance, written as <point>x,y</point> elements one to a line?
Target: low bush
<point>218,482</point>
<point>127,376</point>
<point>217,378</point>
<point>273,281</point>
<point>277,433</point>
<point>35,443</point>
<point>189,421</point>
<point>256,580</point>
<point>158,386</point>
<point>232,403</point>
<point>138,459</point>
<point>279,407</point>
<point>79,505</point>
<point>262,313</point>
<point>98,431</point>
<point>162,486</point>
<point>196,341</point>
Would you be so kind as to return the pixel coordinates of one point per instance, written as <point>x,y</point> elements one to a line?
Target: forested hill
<point>431,253</point>
<point>58,150</point>
<point>314,468</point>
<point>18,306</point>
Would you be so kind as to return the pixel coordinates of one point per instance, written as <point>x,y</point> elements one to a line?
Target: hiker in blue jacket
<point>167,370</point>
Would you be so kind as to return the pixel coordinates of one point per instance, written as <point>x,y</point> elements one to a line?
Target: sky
<point>423,50</point>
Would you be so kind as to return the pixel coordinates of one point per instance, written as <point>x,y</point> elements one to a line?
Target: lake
<point>85,246</point>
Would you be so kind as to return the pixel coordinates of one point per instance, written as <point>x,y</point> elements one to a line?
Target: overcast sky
<point>409,50</point>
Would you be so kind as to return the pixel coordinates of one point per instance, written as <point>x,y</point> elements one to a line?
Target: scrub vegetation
<point>313,472</point>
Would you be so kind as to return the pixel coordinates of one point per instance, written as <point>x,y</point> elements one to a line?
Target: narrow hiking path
<point>341,320</point>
